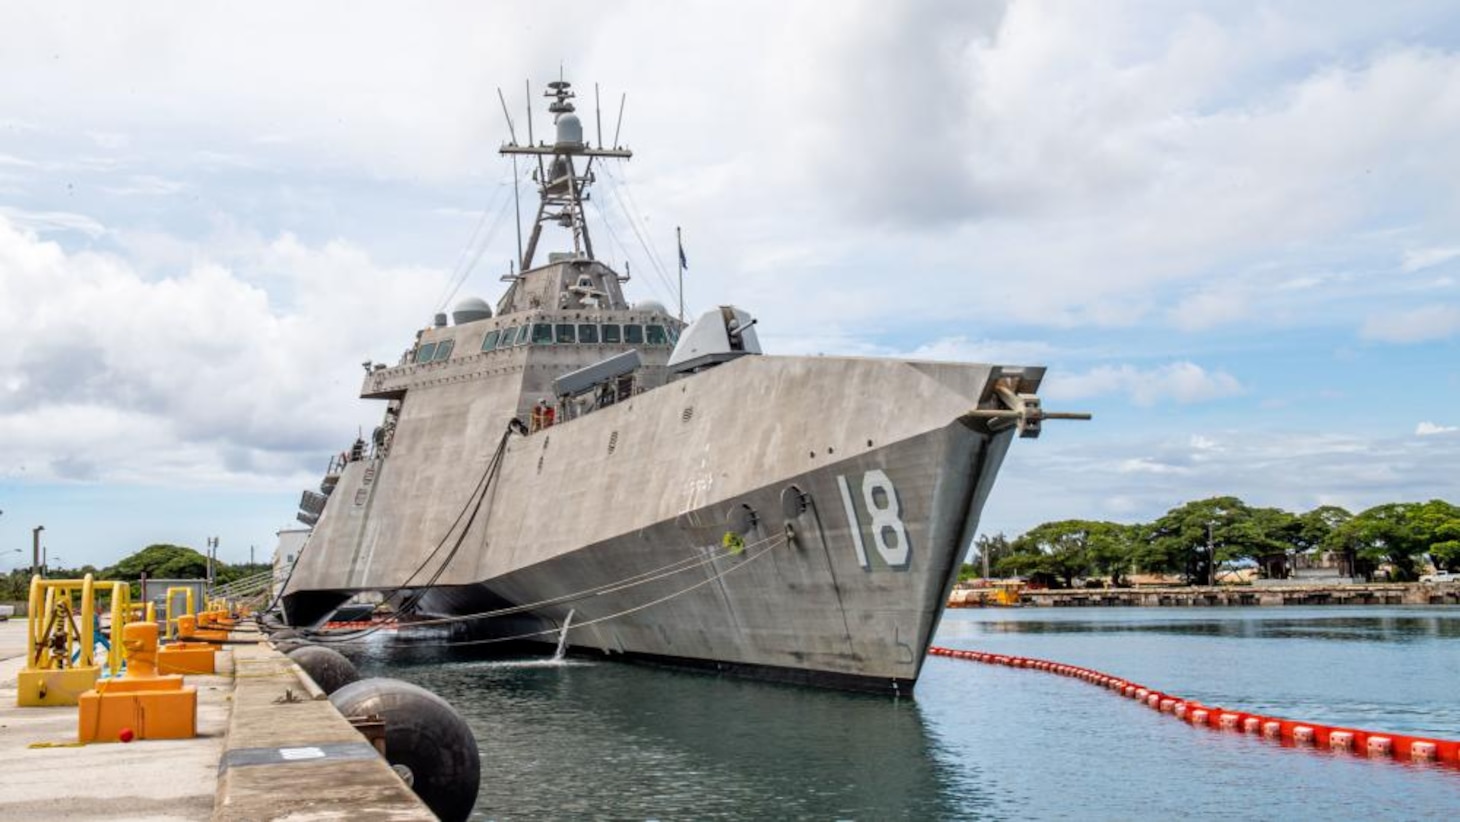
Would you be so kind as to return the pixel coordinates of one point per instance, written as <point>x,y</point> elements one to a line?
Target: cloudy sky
<point>1230,229</point>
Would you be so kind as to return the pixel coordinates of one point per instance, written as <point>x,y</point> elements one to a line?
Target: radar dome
<point>651,305</point>
<point>570,130</point>
<point>470,310</point>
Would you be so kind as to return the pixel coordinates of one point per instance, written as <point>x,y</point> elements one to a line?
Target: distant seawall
<point>1395,593</point>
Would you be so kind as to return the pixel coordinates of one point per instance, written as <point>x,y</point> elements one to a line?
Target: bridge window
<point>424,353</point>
<point>566,335</point>
<point>587,333</point>
<point>673,335</point>
<point>611,335</point>
<point>443,351</point>
<point>656,335</point>
<point>542,334</point>
<point>523,334</point>
<point>634,334</point>
<point>491,340</point>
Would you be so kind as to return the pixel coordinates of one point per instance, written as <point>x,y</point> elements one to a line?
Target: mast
<point>562,189</point>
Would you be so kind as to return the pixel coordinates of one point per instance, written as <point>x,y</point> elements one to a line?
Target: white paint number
<point>880,498</point>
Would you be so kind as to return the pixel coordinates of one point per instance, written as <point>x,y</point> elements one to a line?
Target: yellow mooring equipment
<point>189,608</point>
<point>187,654</point>
<point>141,704</point>
<point>61,638</point>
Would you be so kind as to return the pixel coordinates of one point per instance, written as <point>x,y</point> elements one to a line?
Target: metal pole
<point>516,178</point>
<point>1211,557</point>
<point>679,247</point>
<point>35,548</point>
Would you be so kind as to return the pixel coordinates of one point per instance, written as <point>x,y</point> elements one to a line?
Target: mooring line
<point>1310,735</point>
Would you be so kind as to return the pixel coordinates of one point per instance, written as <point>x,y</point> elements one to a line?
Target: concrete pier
<point>44,774</point>
<point>269,746</point>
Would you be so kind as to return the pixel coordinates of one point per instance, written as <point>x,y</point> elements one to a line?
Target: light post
<point>212,543</point>
<point>35,549</point>
<point>1211,559</point>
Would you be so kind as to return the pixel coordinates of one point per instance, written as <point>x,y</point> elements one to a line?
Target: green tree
<point>1061,551</point>
<point>992,546</point>
<point>1267,536</point>
<point>1315,534</point>
<point>1194,538</point>
<point>1397,533</point>
<point>1112,548</point>
<point>161,562</point>
<point>1437,525</point>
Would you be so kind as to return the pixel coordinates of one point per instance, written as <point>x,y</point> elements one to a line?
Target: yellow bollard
<point>140,704</point>
<point>187,656</point>
<point>188,630</point>
<point>189,608</point>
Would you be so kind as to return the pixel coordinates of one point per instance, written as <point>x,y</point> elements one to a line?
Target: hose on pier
<point>1311,735</point>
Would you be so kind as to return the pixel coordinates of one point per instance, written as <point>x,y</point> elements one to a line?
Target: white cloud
<point>1181,382</point>
<point>201,376</point>
<point>1420,258</point>
<point>54,221</point>
<point>1052,164</point>
<point>1210,308</point>
<point>1145,465</point>
<point>1003,352</point>
<point>146,185</point>
<point>1428,429</point>
<point>1431,322</point>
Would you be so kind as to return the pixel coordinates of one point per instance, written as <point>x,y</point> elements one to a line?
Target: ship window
<point>611,334</point>
<point>673,335</point>
<point>443,350</point>
<point>491,341</point>
<point>566,334</point>
<point>587,333</point>
<point>523,334</point>
<point>423,354</point>
<point>633,334</point>
<point>542,334</point>
<point>656,335</point>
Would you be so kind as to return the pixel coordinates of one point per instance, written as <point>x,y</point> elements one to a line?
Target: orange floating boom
<point>1311,735</point>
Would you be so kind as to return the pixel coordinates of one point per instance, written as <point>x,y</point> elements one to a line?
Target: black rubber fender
<point>425,739</point>
<point>288,645</point>
<point>329,668</point>
<point>287,633</point>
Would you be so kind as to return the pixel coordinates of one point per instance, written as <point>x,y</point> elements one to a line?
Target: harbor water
<point>584,739</point>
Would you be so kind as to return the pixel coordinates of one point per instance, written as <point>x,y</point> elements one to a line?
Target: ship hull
<point>741,548</point>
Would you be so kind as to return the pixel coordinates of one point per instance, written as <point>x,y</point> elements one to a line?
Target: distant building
<point>291,542</point>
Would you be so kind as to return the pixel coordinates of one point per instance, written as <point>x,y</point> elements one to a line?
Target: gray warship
<point>573,468</point>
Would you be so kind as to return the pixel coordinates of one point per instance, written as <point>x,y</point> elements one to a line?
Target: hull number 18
<point>889,535</point>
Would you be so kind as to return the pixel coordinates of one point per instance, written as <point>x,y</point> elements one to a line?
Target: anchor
<point>1020,410</point>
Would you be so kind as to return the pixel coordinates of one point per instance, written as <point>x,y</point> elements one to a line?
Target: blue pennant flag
<point>683,261</point>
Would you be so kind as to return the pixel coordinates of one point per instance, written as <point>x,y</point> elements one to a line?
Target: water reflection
<point>590,740</point>
<point>609,740</point>
<point>1313,624</point>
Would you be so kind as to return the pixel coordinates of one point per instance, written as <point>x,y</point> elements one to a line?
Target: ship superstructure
<point>572,465</point>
